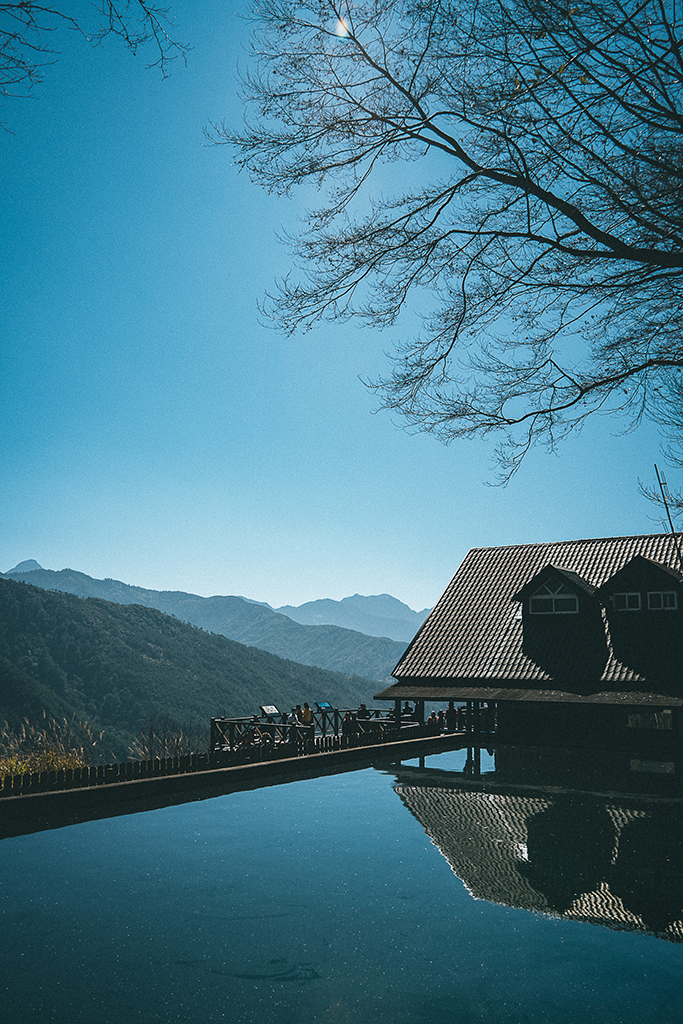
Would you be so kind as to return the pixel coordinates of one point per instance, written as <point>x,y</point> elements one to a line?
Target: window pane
<point>541,605</point>
<point>566,604</point>
<point>627,602</point>
<point>557,587</point>
<point>654,600</point>
<point>661,720</point>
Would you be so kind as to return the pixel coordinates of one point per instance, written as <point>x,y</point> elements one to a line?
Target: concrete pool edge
<point>36,812</point>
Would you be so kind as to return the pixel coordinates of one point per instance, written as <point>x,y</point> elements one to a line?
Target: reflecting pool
<point>408,894</point>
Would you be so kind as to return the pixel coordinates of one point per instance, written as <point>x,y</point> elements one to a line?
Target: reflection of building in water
<point>613,862</point>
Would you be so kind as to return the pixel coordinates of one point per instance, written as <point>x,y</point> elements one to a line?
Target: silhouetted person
<point>432,725</point>
<point>293,722</point>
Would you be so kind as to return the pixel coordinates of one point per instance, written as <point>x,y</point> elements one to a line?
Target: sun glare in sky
<point>342,28</point>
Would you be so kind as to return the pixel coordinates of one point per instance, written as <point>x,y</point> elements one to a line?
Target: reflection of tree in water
<point>570,846</point>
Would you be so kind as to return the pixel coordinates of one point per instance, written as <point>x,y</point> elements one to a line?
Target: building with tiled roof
<point>583,623</point>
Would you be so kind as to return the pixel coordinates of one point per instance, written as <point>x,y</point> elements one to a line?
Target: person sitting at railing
<point>363,712</point>
<point>263,736</point>
<point>349,726</point>
<point>247,738</point>
<point>432,725</point>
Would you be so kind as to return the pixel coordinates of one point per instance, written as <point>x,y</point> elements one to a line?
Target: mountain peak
<point>379,615</point>
<point>30,565</point>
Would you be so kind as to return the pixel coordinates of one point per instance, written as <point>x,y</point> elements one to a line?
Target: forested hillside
<point>119,666</point>
<point>330,647</point>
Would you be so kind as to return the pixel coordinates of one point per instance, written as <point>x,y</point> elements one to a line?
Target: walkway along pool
<point>403,895</point>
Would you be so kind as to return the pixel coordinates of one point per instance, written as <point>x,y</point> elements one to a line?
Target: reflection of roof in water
<point>571,855</point>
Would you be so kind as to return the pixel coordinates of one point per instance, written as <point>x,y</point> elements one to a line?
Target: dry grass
<point>164,738</point>
<point>49,746</point>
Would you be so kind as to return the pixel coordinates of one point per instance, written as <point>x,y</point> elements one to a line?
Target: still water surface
<point>317,902</point>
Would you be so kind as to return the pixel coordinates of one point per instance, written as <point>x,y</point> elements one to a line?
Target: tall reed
<point>47,746</point>
<point>164,738</point>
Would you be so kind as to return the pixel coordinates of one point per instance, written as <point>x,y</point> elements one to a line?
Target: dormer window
<point>554,598</point>
<point>642,585</point>
<point>662,600</point>
<point>627,602</point>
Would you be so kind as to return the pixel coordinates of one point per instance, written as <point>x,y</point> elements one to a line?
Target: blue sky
<point>154,432</point>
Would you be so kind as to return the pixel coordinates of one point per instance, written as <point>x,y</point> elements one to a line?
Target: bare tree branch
<point>29,34</point>
<point>544,241</point>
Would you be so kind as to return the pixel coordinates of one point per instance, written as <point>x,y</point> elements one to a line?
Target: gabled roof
<point>575,581</point>
<point>474,636</point>
<point>640,565</point>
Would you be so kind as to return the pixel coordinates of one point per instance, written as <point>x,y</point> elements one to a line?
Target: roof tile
<point>475,635</point>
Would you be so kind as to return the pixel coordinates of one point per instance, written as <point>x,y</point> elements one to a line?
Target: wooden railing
<point>233,742</point>
<point>239,740</point>
<point>101,774</point>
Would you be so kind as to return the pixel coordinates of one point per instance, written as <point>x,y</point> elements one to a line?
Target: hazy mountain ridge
<point>330,647</point>
<point>379,615</point>
<point>118,665</point>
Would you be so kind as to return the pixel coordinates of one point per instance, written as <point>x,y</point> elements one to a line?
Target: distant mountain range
<point>362,636</point>
<point>381,615</point>
<point>120,665</point>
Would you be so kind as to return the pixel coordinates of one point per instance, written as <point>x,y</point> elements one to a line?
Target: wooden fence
<point>233,742</point>
<point>239,741</point>
<point>101,774</point>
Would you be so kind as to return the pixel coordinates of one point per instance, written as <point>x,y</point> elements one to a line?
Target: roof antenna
<point>666,498</point>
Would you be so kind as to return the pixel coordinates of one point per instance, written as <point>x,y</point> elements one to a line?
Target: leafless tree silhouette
<point>543,241</point>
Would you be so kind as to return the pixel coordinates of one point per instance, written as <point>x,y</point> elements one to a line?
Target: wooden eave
<point>444,694</point>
